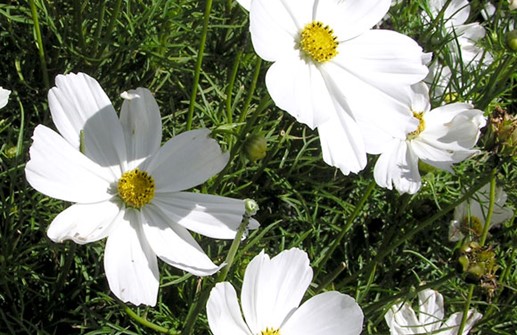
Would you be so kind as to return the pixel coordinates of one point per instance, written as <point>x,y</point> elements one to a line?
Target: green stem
<point>346,228</point>
<point>197,70</point>
<point>39,43</point>
<point>491,204</point>
<point>195,308</point>
<point>251,91</point>
<point>465,315</point>
<point>147,323</point>
<point>231,83</point>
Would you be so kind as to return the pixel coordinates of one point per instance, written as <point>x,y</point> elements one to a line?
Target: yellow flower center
<point>421,126</point>
<point>270,331</point>
<point>318,42</point>
<point>136,188</point>
<point>471,225</point>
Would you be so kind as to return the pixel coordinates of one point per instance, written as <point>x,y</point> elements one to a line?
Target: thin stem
<point>346,227</point>
<point>111,26</point>
<point>39,43</point>
<point>465,315</point>
<point>197,70</point>
<point>195,308</point>
<point>491,205</point>
<point>231,83</point>
<point>147,323</point>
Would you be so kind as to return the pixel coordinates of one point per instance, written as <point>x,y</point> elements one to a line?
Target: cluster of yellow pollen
<point>420,128</point>
<point>318,42</point>
<point>136,188</point>
<point>270,331</point>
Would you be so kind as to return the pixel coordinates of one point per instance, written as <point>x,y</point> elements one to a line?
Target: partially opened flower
<point>402,319</point>
<point>4,96</point>
<point>470,216</point>
<point>444,136</point>
<point>128,189</point>
<point>270,298</point>
<point>332,71</point>
<point>466,36</point>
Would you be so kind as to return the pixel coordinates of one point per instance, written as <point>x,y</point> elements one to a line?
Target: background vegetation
<point>371,243</point>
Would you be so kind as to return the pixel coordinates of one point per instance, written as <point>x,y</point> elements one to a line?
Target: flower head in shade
<point>270,298</point>
<point>444,136</point>
<point>331,71</point>
<point>402,319</point>
<point>125,187</point>
<point>466,36</point>
<point>470,216</point>
<point>4,96</point>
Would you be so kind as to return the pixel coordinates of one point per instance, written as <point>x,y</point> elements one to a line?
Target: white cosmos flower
<point>331,71</point>
<point>466,36</point>
<point>270,298</point>
<point>128,189</point>
<point>246,4</point>
<point>512,4</point>
<point>4,96</point>
<point>444,136</point>
<point>402,320</point>
<point>470,215</point>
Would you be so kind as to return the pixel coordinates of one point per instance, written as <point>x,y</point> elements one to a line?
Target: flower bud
<point>251,207</point>
<point>255,147</point>
<point>511,39</point>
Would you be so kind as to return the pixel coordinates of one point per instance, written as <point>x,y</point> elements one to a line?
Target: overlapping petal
<point>142,125</point>
<point>84,116</point>
<point>85,223</point>
<point>185,161</point>
<point>174,244</point>
<point>60,171</point>
<point>273,288</point>
<point>208,215</point>
<point>130,263</point>
<point>329,313</point>
<point>223,311</point>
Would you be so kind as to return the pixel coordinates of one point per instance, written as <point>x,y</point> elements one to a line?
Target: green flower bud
<point>511,39</point>
<point>11,152</point>
<point>251,206</point>
<point>255,147</point>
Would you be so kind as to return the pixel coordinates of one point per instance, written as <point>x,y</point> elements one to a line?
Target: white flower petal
<point>401,320</point>
<point>275,25</point>
<point>185,161</point>
<point>300,89</point>
<point>382,59</point>
<point>329,313</point>
<point>342,145</point>
<point>223,312</point>
<point>246,4</point>
<point>130,264</point>
<point>85,223</point>
<point>4,97</point>
<point>454,321</point>
<point>431,310</point>
<point>351,18</point>
<point>142,125</point>
<point>78,104</point>
<point>174,244</point>
<point>58,170</point>
<point>398,166</point>
<point>209,215</point>
<point>273,288</point>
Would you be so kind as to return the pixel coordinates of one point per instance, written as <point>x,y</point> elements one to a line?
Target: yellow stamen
<point>136,188</point>
<point>318,42</point>
<point>270,331</point>
<point>421,126</point>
